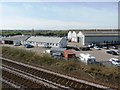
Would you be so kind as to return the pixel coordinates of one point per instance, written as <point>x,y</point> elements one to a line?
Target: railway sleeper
<point>22,81</point>
<point>63,82</point>
<point>55,79</point>
<point>29,69</point>
<point>16,83</point>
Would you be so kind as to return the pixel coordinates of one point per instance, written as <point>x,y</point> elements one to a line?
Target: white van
<point>87,58</point>
<point>17,44</point>
<point>47,51</point>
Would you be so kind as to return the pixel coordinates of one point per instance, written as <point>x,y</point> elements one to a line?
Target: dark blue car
<point>112,52</point>
<point>28,46</point>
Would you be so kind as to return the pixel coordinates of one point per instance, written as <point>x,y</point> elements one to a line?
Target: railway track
<point>31,77</point>
<point>19,80</point>
<point>55,80</point>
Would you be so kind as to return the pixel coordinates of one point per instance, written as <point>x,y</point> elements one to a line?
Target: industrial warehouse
<point>43,41</point>
<point>14,39</point>
<point>39,41</point>
<point>85,37</point>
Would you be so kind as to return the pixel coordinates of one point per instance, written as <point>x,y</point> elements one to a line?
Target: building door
<point>78,39</point>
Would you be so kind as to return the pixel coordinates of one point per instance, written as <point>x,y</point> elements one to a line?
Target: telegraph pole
<point>32,31</point>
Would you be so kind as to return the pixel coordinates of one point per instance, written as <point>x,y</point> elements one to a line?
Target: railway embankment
<point>108,76</point>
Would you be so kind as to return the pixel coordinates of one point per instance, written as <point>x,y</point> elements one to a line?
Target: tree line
<point>59,33</point>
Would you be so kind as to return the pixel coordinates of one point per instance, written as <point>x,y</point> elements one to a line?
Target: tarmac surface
<point>100,55</point>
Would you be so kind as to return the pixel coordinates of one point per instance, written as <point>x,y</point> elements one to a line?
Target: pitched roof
<point>45,39</point>
<point>17,37</point>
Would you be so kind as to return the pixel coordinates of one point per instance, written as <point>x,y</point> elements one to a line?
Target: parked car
<point>85,48</point>
<point>16,44</point>
<point>91,45</point>
<point>28,46</point>
<point>113,47</point>
<point>97,48</point>
<point>112,52</point>
<point>57,55</point>
<point>105,47</point>
<point>115,61</point>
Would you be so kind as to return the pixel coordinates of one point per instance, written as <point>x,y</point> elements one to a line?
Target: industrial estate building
<point>41,41</point>
<point>44,41</point>
<point>15,39</point>
<point>85,37</point>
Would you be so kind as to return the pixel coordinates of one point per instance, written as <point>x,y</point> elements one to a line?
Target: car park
<point>115,61</point>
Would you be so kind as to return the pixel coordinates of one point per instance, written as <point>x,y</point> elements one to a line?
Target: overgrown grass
<point>26,56</point>
<point>108,75</point>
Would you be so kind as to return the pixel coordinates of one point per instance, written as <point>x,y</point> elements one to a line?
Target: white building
<point>74,36</point>
<point>85,37</point>
<point>69,36</point>
<point>15,39</point>
<point>43,41</point>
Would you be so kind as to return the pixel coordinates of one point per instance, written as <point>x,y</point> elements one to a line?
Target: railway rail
<point>32,77</point>
<point>55,79</point>
<point>18,80</point>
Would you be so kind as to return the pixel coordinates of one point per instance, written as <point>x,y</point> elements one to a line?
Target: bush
<point>69,66</point>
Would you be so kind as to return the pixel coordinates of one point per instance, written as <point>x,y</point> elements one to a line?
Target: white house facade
<point>43,41</point>
<point>81,38</point>
<point>69,35</point>
<point>74,37</point>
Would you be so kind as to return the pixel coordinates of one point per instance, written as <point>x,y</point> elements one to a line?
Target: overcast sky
<point>59,15</point>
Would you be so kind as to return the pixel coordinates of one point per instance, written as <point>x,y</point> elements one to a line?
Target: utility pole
<point>32,31</point>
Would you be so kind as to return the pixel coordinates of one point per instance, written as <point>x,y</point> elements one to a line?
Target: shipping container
<point>69,54</point>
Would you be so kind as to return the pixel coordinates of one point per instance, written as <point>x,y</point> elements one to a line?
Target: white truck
<point>47,51</point>
<point>87,58</point>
